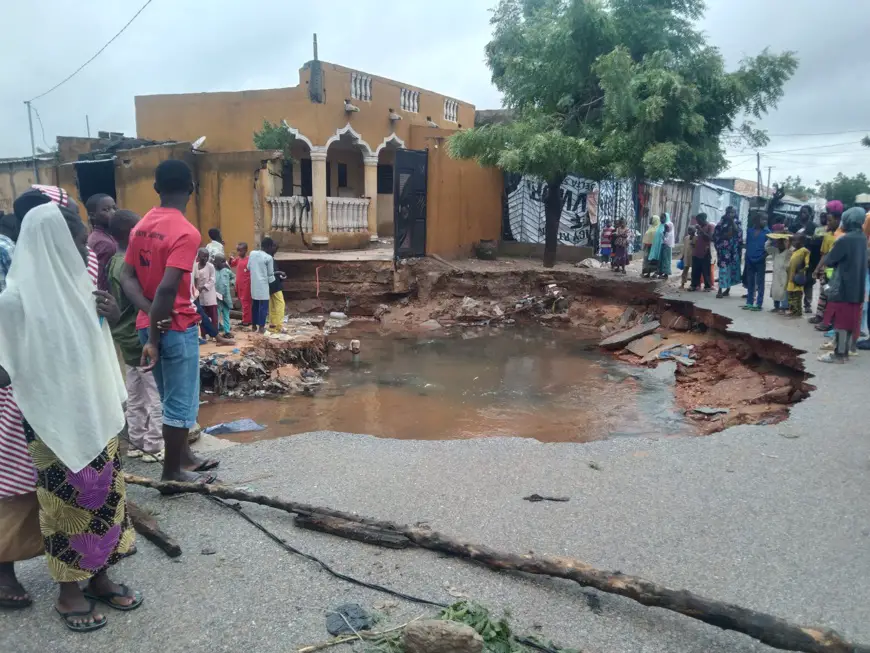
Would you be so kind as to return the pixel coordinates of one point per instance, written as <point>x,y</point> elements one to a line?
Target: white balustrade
<point>451,110</point>
<point>409,100</point>
<point>361,87</point>
<point>347,215</point>
<point>291,213</point>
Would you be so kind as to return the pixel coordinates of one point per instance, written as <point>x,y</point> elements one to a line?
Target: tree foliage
<point>276,137</point>
<point>794,186</point>
<point>845,188</point>
<point>628,87</point>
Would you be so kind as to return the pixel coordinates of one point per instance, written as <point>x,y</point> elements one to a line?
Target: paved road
<point>774,523</point>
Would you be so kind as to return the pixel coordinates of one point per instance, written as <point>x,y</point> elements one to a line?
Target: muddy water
<point>542,385</point>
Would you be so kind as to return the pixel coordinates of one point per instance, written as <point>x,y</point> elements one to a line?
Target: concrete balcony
<point>347,215</point>
<point>291,214</point>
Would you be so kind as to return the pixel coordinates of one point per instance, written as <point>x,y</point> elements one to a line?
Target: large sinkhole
<point>523,381</point>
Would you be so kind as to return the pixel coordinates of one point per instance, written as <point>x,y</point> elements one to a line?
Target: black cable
<point>283,544</point>
<point>77,70</point>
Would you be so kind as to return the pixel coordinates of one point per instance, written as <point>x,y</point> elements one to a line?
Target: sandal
<point>831,357</point>
<point>207,465</point>
<point>156,457</point>
<point>10,603</point>
<point>134,453</point>
<point>203,479</point>
<point>82,628</point>
<point>109,598</point>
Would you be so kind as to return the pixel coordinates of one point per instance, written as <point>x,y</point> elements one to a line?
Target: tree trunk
<point>766,628</point>
<point>552,215</point>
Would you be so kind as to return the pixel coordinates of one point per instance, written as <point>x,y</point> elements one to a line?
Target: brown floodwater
<point>537,384</point>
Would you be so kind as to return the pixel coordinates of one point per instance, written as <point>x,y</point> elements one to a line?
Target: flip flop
<point>8,603</point>
<point>108,597</point>
<point>204,479</point>
<point>82,628</point>
<point>207,465</point>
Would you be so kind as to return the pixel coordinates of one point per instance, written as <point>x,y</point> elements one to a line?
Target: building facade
<point>337,191</point>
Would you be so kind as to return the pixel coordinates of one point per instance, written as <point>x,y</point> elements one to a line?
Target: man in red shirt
<point>157,279</point>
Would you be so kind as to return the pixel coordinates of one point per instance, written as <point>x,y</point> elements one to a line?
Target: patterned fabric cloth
<point>7,248</point>
<point>17,475</point>
<point>83,515</point>
<point>728,244</point>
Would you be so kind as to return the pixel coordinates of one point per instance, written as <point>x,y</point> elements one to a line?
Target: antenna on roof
<point>315,47</point>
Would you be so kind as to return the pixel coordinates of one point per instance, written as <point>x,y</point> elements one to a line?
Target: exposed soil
<point>755,380</point>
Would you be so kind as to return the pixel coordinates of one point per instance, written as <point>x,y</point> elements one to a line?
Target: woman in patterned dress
<point>728,239</point>
<point>70,396</point>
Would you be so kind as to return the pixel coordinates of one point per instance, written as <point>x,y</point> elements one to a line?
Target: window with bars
<point>409,100</point>
<point>385,179</point>
<point>361,87</point>
<point>451,110</point>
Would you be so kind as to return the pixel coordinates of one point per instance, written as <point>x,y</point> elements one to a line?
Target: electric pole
<point>758,172</point>
<point>769,168</point>
<point>32,143</point>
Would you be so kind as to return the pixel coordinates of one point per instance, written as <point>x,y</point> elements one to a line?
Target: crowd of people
<point>73,305</point>
<point>801,254</point>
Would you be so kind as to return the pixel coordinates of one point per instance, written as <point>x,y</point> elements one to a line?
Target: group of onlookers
<point>831,253</point>
<point>72,304</point>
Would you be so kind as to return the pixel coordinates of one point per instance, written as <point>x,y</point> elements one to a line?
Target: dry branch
<point>147,527</point>
<point>766,628</point>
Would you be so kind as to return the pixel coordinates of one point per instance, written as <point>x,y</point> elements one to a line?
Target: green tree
<point>794,186</point>
<point>275,137</point>
<point>623,87</point>
<point>845,188</point>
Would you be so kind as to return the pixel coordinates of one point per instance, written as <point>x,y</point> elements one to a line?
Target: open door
<point>409,202</point>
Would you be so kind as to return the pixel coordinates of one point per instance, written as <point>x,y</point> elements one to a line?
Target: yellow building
<point>348,127</point>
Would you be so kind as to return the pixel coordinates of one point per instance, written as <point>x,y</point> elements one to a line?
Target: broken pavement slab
<point>643,346</point>
<point>621,339</point>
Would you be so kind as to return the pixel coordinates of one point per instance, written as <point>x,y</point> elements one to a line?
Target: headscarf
<point>57,351</point>
<point>650,233</point>
<point>853,219</point>
<point>669,234</point>
<point>834,206</point>
<point>658,240</point>
<point>35,196</point>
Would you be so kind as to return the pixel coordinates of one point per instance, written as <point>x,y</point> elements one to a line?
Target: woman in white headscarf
<point>56,351</point>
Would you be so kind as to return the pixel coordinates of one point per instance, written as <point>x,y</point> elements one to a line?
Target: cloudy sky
<point>223,45</point>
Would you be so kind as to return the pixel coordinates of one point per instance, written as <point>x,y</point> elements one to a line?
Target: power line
<point>77,70</point>
<point>853,131</point>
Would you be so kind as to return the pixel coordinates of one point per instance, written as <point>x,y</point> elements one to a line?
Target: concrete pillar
<point>371,183</point>
<point>320,236</point>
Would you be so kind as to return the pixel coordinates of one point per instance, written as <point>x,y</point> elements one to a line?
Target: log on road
<point>766,628</point>
<point>147,527</point>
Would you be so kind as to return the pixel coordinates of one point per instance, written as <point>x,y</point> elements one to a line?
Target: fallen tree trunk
<point>766,628</point>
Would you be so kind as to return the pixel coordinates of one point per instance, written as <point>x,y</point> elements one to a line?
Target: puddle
<point>537,384</point>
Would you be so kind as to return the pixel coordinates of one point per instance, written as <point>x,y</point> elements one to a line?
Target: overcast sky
<point>226,45</point>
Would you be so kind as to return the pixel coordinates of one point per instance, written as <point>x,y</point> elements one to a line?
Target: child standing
<point>688,246</point>
<point>797,275</point>
<point>780,253</point>
<point>223,282</point>
<point>262,269</point>
<point>243,281</point>
<point>144,412</point>
<point>606,240</point>
<point>205,286</point>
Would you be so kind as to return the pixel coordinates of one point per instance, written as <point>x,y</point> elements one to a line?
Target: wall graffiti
<point>583,203</point>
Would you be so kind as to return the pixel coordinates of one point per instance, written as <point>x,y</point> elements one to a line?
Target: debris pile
<point>289,362</point>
